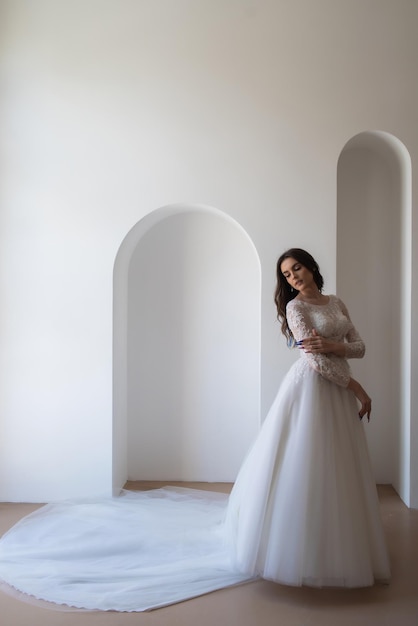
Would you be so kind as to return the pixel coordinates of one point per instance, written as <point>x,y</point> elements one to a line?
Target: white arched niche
<point>187,289</point>
<point>374,278</point>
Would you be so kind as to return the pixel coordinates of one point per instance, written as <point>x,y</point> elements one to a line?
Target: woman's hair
<point>284,292</point>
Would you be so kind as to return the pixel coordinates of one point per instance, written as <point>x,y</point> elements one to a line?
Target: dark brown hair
<point>284,292</point>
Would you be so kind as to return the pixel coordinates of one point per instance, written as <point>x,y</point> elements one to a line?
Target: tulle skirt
<point>303,511</point>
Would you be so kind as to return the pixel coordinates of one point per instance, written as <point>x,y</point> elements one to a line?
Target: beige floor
<point>262,603</point>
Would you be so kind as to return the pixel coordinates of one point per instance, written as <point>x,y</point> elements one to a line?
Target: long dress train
<point>303,510</point>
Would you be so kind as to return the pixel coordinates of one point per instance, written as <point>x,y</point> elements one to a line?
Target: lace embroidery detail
<point>301,369</point>
<point>332,321</point>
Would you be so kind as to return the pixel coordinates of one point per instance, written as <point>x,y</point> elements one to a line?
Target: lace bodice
<point>332,321</point>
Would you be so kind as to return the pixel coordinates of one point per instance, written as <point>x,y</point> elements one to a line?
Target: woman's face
<point>297,275</point>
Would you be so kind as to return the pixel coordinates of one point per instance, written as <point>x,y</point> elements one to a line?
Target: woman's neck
<point>314,296</point>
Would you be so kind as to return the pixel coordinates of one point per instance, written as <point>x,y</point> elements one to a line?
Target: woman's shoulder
<point>293,303</point>
<point>338,301</point>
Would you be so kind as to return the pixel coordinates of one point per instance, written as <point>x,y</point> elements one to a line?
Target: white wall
<point>374,280</point>
<point>193,357</point>
<point>112,109</point>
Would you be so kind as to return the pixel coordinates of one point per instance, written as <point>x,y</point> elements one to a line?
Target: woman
<point>304,508</point>
<point>303,511</point>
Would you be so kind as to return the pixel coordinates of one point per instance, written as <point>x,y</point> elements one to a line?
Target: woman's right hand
<point>362,397</point>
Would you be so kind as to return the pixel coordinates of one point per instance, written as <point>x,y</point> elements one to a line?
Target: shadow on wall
<point>187,289</point>
<point>374,279</point>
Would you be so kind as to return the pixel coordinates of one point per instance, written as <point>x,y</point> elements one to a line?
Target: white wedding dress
<point>304,508</point>
<point>303,511</point>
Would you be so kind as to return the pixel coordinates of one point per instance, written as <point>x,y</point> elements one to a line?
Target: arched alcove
<point>374,278</point>
<point>186,347</point>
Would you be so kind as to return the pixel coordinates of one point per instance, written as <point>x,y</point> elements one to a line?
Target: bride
<point>303,510</point>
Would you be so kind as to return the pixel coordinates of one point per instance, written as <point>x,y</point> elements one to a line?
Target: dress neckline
<point>313,303</point>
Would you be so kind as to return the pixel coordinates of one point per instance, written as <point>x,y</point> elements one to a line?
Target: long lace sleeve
<point>354,347</point>
<point>334,369</point>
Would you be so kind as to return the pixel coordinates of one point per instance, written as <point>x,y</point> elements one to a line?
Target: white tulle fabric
<point>134,552</point>
<point>303,511</point>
